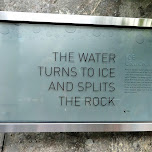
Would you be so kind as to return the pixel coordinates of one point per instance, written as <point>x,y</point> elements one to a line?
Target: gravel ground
<point>78,142</point>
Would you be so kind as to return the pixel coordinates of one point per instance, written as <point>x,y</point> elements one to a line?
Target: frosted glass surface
<point>67,73</point>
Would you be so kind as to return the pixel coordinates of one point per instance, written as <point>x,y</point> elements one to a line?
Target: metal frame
<point>74,127</point>
<point>75,19</point>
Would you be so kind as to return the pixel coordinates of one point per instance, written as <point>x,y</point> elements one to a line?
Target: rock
<point>89,142</point>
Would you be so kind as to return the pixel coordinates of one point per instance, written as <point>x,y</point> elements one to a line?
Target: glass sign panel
<point>69,73</point>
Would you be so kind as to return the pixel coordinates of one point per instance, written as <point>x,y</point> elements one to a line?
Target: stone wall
<point>79,142</point>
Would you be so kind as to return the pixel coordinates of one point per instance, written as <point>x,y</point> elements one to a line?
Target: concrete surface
<point>126,8</point>
<point>80,142</point>
<point>1,141</point>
